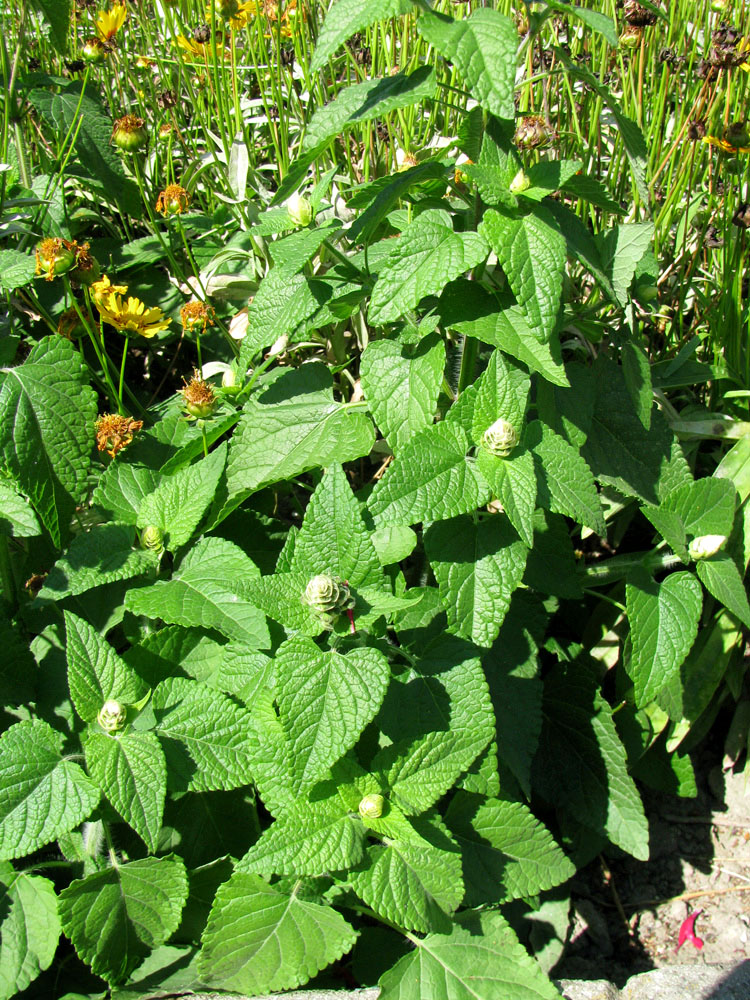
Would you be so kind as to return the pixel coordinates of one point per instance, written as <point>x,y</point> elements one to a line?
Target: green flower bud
<point>705,546</point>
<point>152,538</point>
<point>54,256</point>
<point>300,210</point>
<point>327,595</point>
<point>520,183</point>
<point>94,51</point>
<point>371,807</point>
<point>112,716</point>
<point>630,36</point>
<point>129,133</point>
<point>500,438</point>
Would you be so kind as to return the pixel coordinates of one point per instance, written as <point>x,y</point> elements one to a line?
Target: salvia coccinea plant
<point>369,630</point>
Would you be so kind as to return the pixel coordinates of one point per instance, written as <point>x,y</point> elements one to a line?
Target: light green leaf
<point>390,191</point>
<point>580,765</point>
<point>547,176</point>
<point>663,621</point>
<point>95,672</point>
<point>280,597</point>
<point>282,302</point>
<point>209,740</point>
<point>670,527</point>
<point>16,269</point>
<point>57,14</point>
<point>29,929</point>
<point>103,555</point>
<point>47,411</point>
<point>325,700</point>
<point>123,488</point>
<point>477,566</point>
<point>333,538</point>
<point>259,939</point>
<point>513,482</point>
<point>482,47</point>
<point>507,853</point>
<point>414,882</point>
<point>210,588</point>
<point>17,516</point>
<point>502,391</point>
<point>116,917</point>
<point>131,771</point>
<point>311,839</point>
<point>622,248</point>
<point>426,256</point>
<point>479,963</point>
<point>468,308</point>
<point>705,507</point>
<point>720,576</point>
<point>42,795</point>
<point>293,426</point>
<point>532,253</point>
<point>347,17</point>
<point>361,102</point>
<point>179,502</point>
<point>430,479</point>
<point>565,484</point>
<point>401,384</point>
<point>393,544</point>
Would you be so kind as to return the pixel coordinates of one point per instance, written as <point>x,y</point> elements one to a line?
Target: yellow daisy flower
<point>109,22</point>
<point>131,316</point>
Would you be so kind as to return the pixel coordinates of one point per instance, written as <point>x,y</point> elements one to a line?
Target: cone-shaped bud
<point>500,438</point>
<point>705,546</point>
<point>520,183</point>
<point>327,595</point>
<point>371,807</point>
<point>300,210</point>
<point>112,716</point>
<point>152,538</point>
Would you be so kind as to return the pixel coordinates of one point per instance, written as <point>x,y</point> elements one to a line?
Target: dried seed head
<point>196,316</point>
<point>200,399</point>
<point>87,269</point>
<point>173,200</point>
<point>532,132</point>
<point>129,133</point>
<point>115,432</point>
<point>696,130</point>
<point>54,256</point>
<point>167,99</point>
<point>202,34</point>
<point>741,217</point>
<point>638,15</point>
<point>69,325</point>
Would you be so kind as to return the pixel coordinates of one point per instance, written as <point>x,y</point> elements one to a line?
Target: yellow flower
<point>109,22</point>
<point>102,287</point>
<point>129,316</point>
<point>197,50</point>
<point>233,12</point>
<point>723,145</point>
<point>173,200</point>
<point>115,432</point>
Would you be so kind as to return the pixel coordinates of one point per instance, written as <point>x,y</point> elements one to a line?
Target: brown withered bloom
<point>166,99</point>
<point>35,583</point>
<point>173,200</point>
<point>129,133</point>
<point>712,240</point>
<point>532,132</point>
<point>202,34</point>
<point>195,315</point>
<point>696,130</point>
<point>200,399</point>
<point>114,432</point>
<point>69,325</point>
<point>741,217</point>
<point>638,15</point>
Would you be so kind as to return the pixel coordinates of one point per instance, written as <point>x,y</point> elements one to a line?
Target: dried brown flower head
<point>173,200</point>
<point>200,399</point>
<point>54,256</point>
<point>532,132</point>
<point>638,15</point>
<point>195,315</point>
<point>167,99</point>
<point>114,432</point>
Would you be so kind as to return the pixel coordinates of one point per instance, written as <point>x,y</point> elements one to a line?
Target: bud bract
<point>371,807</point>
<point>112,716</point>
<point>152,538</point>
<point>705,546</point>
<point>327,595</point>
<point>500,438</point>
<point>300,210</point>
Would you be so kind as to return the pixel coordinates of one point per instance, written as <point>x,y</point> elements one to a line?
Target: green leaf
<point>209,740</point>
<point>580,242</point>
<point>43,795</point>
<point>47,410</point>
<point>103,555</point>
<point>131,771</point>
<point>69,109</point>
<point>95,672</point>
<point>365,225</point>
<point>179,502</point>
<point>705,507</point>
<point>502,391</point>
<point>393,544</point>
<point>29,929</point>
<point>547,176</point>
<point>565,484</point>
<point>468,308</point>
<point>720,576</point>
<point>482,48</point>
<point>663,621</point>
<point>477,566</point>
<point>478,963</point>
<point>637,371</point>
<point>325,700</point>
<point>311,839</point>
<point>57,14</point>
<point>16,269</point>
<point>581,762</point>
<point>620,451</point>
<point>361,102</point>
<point>532,253</point>
<point>259,939</point>
<point>430,479</point>
<point>291,427</point>
<point>600,23</point>
<point>18,670</point>
<point>282,302</point>
<point>17,517</point>
<point>551,566</point>
<point>122,489</point>
<point>623,247</point>
<point>401,384</point>
<point>513,482</point>
<point>210,589</point>
<point>507,853</point>
<point>116,917</point>
<point>426,256</point>
<point>413,882</point>
<point>347,17</point>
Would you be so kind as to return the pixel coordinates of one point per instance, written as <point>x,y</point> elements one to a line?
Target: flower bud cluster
<point>329,596</point>
<point>112,716</point>
<point>500,438</point>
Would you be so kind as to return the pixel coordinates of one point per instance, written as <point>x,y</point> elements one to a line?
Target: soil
<point>628,919</point>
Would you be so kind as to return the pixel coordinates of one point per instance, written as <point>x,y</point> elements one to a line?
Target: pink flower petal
<point>687,931</point>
